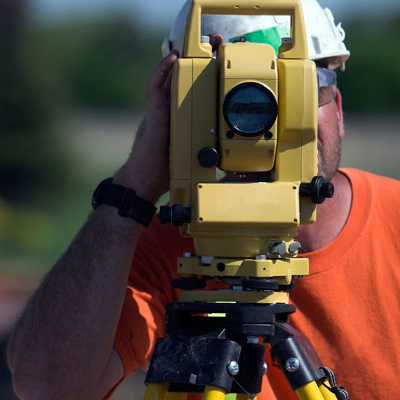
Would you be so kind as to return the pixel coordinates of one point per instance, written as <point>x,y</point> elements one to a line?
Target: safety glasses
<point>327,86</point>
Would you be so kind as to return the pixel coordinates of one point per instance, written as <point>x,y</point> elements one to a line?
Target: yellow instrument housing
<point>239,219</point>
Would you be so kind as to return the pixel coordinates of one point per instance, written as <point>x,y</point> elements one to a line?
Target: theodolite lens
<point>250,109</point>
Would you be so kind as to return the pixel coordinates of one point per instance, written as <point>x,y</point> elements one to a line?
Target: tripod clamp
<point>340,392</point>
<point>201,350</point>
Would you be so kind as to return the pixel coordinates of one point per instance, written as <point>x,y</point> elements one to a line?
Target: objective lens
<point>250,109</point>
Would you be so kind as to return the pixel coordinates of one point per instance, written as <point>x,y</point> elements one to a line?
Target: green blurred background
<point>71,99</point>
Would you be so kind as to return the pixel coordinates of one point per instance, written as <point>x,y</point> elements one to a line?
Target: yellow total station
<point>245,110</point>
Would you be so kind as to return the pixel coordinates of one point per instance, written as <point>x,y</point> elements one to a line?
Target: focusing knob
<point>177,214</point>
<point>165,214</point>
<point>208,157</point>
<point>327,190</point>
<point>319,189</point>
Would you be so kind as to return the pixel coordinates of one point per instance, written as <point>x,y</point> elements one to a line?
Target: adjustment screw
<point>277,248</point>
<point>265,368</point>
<point>206,260</point>
<point>233,368</point>
<point>268,135</point>
<point>292,364</point>
<point>287,40</point>
<point>293,247</point>
<point>221,267</point>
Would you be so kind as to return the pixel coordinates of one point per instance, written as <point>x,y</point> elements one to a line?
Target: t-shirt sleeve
<point>142,319</point>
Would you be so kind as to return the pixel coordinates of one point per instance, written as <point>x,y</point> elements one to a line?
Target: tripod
<point>214,348</point>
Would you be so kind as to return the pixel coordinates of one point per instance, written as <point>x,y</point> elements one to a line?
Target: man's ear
<point>339,112</point>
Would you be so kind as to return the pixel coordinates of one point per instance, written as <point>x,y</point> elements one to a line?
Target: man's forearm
<point>62,346</point>
<point>64,339</point>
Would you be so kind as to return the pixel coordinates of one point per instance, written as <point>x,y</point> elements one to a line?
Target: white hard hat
<point>325,39</point>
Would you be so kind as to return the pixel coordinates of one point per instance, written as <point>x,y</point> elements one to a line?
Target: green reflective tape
<point>272,36</point>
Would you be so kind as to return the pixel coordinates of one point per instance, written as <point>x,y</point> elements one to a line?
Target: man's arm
<point>62,347</point>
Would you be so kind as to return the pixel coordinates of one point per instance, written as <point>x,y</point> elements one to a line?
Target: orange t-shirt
<point>349,305</point>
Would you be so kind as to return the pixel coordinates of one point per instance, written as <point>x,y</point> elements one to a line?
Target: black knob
<point>268,135</point>
<point>327,190</point>
<point>319,189</point>
<point>208,157</point>
<point>165,214</point>
<point>177,214</point>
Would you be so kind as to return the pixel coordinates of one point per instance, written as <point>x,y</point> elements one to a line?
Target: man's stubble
<point>329,154</point>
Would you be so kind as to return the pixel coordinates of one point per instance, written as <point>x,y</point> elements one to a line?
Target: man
<point>85,330</point>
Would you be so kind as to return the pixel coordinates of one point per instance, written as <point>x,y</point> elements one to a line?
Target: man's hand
<point>147,168</point>
<point>62,347</point>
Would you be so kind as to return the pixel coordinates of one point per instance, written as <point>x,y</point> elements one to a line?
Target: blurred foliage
<point>371,82</point>
<point>46,72</point>
<point>48,69</point>
<point>103,62</point>
<point>31,155</point>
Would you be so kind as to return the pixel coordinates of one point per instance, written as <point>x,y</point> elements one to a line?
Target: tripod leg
<point>310,391</point>
<point>328,395</point>
<point>302,367</point>
<point>156,391</point>
<point>244,396</point>
<point>213,393</point>
<point>176,396</point>
<point>315,391</point>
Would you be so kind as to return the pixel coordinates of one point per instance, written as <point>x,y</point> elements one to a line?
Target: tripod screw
<point>233,368</point>
<point>292,364</point>
<point>265,368</point>
<point>277,248</point>
<point>293,247</point>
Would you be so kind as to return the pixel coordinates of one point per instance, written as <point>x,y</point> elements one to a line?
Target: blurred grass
<point>41,233</point>
<point>99,62</point>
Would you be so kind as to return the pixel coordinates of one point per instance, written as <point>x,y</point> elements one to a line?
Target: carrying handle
<point>193,47</point>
